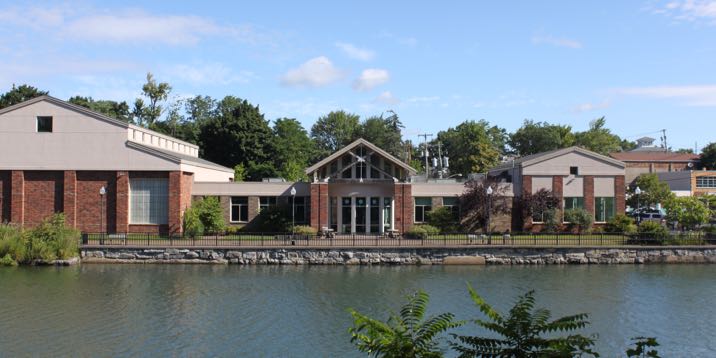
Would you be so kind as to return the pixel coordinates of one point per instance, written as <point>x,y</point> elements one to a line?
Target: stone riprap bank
<point>497,256</point>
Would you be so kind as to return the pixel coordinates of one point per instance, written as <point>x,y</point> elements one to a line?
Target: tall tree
<point>293,149</point>
<point>598,138</point>
<point>156,93</point>
<point>653,192</point>
<point>708,156</point>
<point>19,94</point>
<point>385,133</point>
<point>117,110</point>
<point>334,130</point>
<point>473,147</point>
<point>537,137</point>
<point>238,134</point>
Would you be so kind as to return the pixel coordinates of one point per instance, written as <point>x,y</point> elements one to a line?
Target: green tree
<point>641,348</point>
<point>385,133</point>
<point>579,219</point>
<point>653,191</point>
<point>210,214</point>
<point>407,335</point>
<point>334,131</point>
<point>156,93</point>
<point>688,211</point>
<point>237,134</point>
<point>239,173</point>
<point>293,148</point>
<point>622,224</point>
<point>537,137</point>
<point>708,156</point>
<point>471,147</point>
<point>524,332</point>
<point>444,219</point>
<point>116,110</point>
<point>19,94</point>
<point>474,203</point>
<point>598,138</point>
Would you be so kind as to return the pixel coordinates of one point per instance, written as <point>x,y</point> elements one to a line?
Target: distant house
<point>690,182</point>
<point>648,158</point>
<point>578,177</point>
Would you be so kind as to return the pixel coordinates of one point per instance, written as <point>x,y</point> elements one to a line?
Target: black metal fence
<point>367,240</point>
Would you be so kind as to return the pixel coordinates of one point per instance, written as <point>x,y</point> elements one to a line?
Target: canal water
<point>301,311</point>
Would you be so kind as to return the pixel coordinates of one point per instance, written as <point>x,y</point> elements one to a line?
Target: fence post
<point>444,240</point>
<point>579,239</point>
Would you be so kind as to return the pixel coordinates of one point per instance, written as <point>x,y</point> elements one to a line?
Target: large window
<point>706,182</point>
<point>452,203</point>
<point>575,202</point>
<point>604,209</point>
<point>148,201</point>
<point>239,209</point>
<point>302,206</point>
<point>422,208</point>
<point>266,202</point>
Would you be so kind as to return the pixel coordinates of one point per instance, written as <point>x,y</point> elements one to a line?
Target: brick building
<point>578,177</point>
<point>57,157</point>
<point>649,158</point>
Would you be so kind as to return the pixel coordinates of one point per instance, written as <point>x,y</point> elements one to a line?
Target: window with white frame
<point>422,207</point>
<point>706,182</point>
<point>266,202</point>
<point>239,209</point>
<point>148,200</point>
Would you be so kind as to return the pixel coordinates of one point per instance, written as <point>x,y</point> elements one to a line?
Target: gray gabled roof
<point>178,157</point>
<point>357,142</point>
<point>540,157</point>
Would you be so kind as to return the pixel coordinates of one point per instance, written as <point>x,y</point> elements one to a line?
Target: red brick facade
<point>526,190</point>
<point>588,193</point>
<point>28,197</point>
<point>620,194</point>
<point>319,205</point>
<point>404,206</point>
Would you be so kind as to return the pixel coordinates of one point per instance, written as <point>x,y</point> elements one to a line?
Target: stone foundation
<point>489,256</point>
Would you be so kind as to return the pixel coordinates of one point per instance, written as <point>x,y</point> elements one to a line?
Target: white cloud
<point>355,52</point>
<point>587,107</point>
<point>210,73</point>
<point>316,72</point>
<point>690,10</point>
<point>387,97</point>
<point>423,99</point>
<point>556,41</point>
<point>371,78</point>
<point>691,95</point>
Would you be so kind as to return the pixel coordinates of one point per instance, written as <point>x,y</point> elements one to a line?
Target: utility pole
<point>663,140</point>
<point>427,165</point>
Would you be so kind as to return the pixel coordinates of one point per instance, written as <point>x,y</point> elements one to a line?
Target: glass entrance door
<point>361,207</point>
<point>346,214</point>
<point>374,214</point>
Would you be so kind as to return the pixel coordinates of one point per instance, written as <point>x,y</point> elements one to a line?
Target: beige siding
<point>573,186</point>
<point>541,182</point>
<point>560,166</point>
<point>77,142</point>
<point>251,189</point>
<point>604,187</point>
<point>438,189</point>
<point>357,189</point>
<point>207,174</point>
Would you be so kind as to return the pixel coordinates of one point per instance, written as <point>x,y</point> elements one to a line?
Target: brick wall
<point>17,197</point>
<point>121,204</point>
<point>5,195</point>
<point>175,211</point>
<point>69,197</point>
<point>620,194</point>
<point>43,195</point>
<point>527,190</point>
<point>588,193</point>
<point>558,188</point>
<point>404,206</point>
<point>94,213</point>
<point>319,205</point>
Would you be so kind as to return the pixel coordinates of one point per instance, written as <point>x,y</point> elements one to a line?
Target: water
<point>300,311</point>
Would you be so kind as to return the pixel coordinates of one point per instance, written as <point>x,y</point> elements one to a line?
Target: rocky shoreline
<point>403,256</point>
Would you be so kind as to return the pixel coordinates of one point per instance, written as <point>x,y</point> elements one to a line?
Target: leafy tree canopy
<point>117,110</point>
<point>156,93</point>
<point>536,137</point>
<point>688,211</point>
<point>293,148</point>
<point>19,94</point>
<point>598,138</point>
<point>334,131</point>
<point>474,203</point>
<point>473,147</point>
<point>385,133</point>
<point>653,191</point>
<point>708,156</point>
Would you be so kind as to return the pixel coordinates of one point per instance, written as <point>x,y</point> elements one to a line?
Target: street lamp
<point>488,191</point>
<point>102,192</point>
<point>293,210</point>
<point>637,192</point>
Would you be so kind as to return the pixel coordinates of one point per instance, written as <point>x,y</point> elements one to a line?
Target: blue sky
<point>645,65</point>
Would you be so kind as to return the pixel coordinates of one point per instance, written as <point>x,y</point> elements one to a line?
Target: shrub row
<point>51,240</point>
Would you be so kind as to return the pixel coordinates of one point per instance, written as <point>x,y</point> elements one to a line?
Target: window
<point>387,214</point>
<point>374,163</point>
<point>44,124</point>
<point>422,207</point>
<point>604,209</point>
<point>239,209</point>
<point>347,160</point>
<point>573,203</point>
<point>388,169</point>
<point>333,214</point>
<point>302,207</point>
<point>148,201</point>
<point>574,170</point>
<point>266,201</point>
<point>452,203</point>
<point>706,182</point>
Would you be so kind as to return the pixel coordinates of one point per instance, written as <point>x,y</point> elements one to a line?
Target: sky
<point>645,65</point>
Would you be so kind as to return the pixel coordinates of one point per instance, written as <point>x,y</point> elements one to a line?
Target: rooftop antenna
<point>425,142</point>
